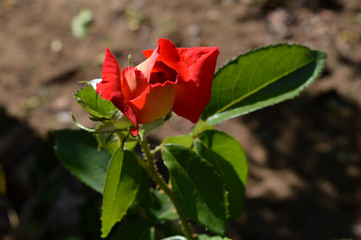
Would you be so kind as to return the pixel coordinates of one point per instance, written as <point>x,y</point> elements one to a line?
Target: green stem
<point>155,150</point>
<point>199,127</point>
<point>120,140</point>
<point>150,167</point>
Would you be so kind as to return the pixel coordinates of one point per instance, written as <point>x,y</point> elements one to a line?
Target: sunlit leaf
<point>184,140</point>
<point>261,78</point>
<point>94,104</point>
<point>121,186</point>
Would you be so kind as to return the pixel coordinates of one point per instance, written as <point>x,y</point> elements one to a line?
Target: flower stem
<point>151,169</point>
<point>155,150</point>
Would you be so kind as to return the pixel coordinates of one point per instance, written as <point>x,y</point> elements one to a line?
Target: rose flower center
<point>162,73</point>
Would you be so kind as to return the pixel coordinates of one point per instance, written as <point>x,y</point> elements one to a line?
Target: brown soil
<point>304,155</point>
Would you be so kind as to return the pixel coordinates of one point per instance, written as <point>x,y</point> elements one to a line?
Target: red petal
<point>110,86</point>
<point>148,53</point>
<point>147,66</point>
<point>134,82</point>
<point>111,77</point>
<point>134,131</point>
<point>168,54</point>
<point>154,102</point>
<point>194,59</point>
<point>192,97</point>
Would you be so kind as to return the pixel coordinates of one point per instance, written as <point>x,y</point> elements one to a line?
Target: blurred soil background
<point>304,155</point>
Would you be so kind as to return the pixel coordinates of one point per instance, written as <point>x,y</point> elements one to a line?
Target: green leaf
<point>147,128</point>
<point>110,141</point>
<point>94,104</point>
<point>121,186</point>
<point>261,78</point>
<point>228,158</point>
<point>107,141</point>
<point>143,197</point>
<point>198,189</point>
<point>184,140</point>
<point>78,152</point>
<point>130,144</point>
<point>162,207</point>
<point>206,237</point>
<point>135,230</point>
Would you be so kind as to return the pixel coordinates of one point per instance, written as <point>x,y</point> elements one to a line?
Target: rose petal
<point>162,73</point>
<point>110,86</point>
<point>195,58</point>
<point>134,131</point>
<point>148,53</point>
<point>147,66</point>
<point>154,102</point>
<point>192,97</point>
<point>168,54</point>
<point>133,83</point>
<point>111,78</point>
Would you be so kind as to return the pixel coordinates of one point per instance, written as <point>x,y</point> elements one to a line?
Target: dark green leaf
<point>184,140</point>
<point>162,207</point>
<point>143,197</point>
<point>228,158</point>
<point>79,153</point>
<point>135,230</point>
<point>121,186</point>
<point>261,78</point>
<point>94,104</point>
<point>198,189</point>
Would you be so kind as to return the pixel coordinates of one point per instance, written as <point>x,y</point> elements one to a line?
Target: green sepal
<point>94,104</point>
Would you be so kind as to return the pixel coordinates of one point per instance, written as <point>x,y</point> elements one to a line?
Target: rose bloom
<point>170,79</point>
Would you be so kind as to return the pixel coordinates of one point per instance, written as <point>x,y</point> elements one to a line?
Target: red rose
<point>177,79</point>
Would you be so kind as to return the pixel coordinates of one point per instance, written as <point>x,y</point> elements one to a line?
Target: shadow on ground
<point>317,140</point>
<point>42,200</point>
